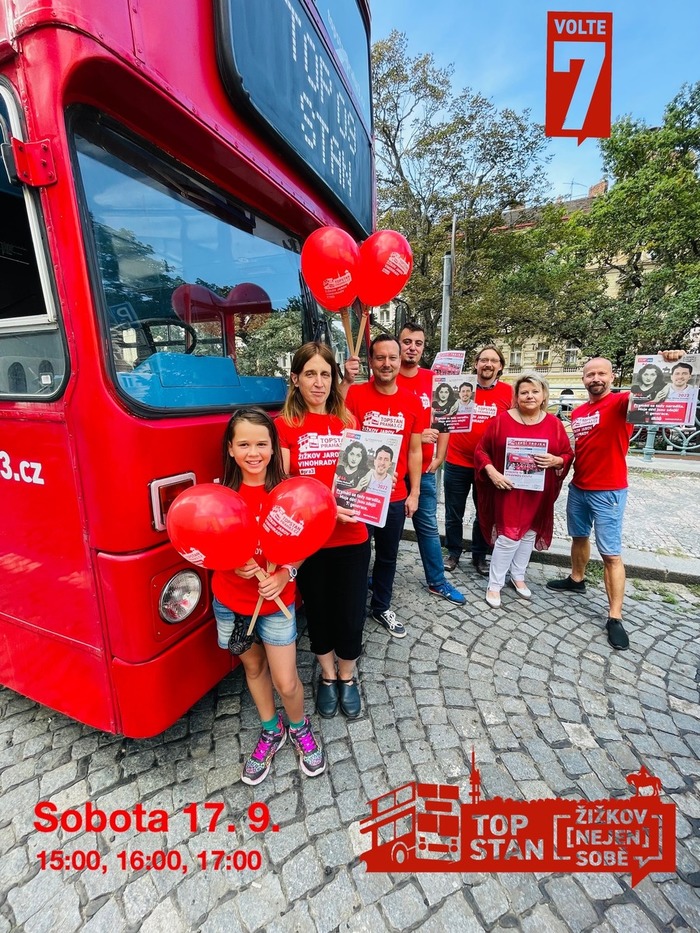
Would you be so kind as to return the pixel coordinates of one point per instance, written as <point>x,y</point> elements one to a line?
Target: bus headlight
<point>180,596</point>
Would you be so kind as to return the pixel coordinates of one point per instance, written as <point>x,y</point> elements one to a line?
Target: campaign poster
<point>520,467</point>
<point>449,362</point>
<point>453,403</point>
<point>364,477</point>
<point>664,394</point>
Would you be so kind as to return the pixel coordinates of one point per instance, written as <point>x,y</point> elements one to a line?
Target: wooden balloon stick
<point>363,324</point>
<point>345,318</point>
<point>262,575</point>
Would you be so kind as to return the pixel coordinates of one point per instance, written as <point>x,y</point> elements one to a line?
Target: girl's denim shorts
<point>274,629</point>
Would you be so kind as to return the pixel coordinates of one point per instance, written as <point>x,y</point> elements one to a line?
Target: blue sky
<point>498,48</point>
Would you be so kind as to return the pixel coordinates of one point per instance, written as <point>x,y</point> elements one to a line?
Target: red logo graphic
<point>579,75</point>
<point>424,828</point>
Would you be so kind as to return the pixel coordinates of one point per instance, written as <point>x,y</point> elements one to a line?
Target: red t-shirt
<point>313,448</point>
<point>242,595</point>
<point>487,404</point>
<point>400,413</point>
<point>422,387</point>
<point>602,438</point>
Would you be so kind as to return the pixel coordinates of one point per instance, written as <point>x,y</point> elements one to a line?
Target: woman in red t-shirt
<point>253,467</point>
<point>333,581</point>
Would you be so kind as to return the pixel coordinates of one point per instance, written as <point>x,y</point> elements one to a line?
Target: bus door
<point>48,600</point>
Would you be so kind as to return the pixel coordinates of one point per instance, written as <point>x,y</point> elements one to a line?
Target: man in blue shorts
<point>598,491</point>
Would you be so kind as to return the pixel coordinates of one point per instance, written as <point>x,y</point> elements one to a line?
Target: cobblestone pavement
<point>533,688</point>
<point>661,516</point>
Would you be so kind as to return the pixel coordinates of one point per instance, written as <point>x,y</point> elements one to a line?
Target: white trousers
<point>510,555</point>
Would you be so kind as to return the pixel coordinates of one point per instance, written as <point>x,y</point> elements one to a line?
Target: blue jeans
<point>458,481</point>
<point>386,550</point>
<point>426,527</point>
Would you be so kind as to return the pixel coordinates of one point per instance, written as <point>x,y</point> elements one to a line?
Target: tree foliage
<point>644,234</point>
<point>439,154</point>
<point>623,279</point>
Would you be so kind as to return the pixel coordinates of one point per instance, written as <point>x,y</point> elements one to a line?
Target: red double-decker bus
<point>162,164</point>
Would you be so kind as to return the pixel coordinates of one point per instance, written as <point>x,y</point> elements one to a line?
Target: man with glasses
<point>491,398</point>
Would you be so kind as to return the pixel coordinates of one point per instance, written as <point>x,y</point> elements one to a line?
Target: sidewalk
<point>661,533</point>
<point>534,689</point>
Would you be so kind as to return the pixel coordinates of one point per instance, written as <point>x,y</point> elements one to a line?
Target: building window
<point>571,359</point>
<point>542,354</point>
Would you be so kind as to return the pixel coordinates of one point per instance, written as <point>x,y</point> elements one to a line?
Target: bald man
<point>598,491</point>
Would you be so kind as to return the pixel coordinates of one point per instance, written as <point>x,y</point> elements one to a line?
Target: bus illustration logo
<point>424,828</point>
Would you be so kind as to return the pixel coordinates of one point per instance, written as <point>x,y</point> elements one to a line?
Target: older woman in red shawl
<point>515,520</point>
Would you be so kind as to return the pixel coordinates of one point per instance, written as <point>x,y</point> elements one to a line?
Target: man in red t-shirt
<point>419,381</point>
<point>598,490</point>
<point>491,398</point>
<point>383,407</point>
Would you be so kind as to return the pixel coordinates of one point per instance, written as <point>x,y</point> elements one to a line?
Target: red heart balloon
<point>386,261</point>
<point>329,260</point>
<point>300,517</point>
<point>211,526</point>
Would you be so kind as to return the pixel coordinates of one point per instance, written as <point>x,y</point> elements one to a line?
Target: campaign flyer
<point>664,394</point>
<point>520,467</point>
<point>449,362</point>
<point>453,403</point>
<point>364,477</point>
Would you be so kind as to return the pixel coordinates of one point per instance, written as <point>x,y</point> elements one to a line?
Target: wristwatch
<point>292,571</point>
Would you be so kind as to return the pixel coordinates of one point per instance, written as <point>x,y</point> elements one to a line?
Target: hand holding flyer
<point>664,393</point>
<point>453,403</point>
<point>520,467</point>
<point>365,474</point>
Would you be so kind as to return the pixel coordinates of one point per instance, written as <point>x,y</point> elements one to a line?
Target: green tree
<point>644,234</point>
<point>439,154</point>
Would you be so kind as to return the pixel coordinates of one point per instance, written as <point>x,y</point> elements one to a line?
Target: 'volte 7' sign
<point>579,75</point>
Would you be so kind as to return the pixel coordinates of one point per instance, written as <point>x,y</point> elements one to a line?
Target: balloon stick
<point>363,324</point>
<point>261,575</point>
<point>345,317</point>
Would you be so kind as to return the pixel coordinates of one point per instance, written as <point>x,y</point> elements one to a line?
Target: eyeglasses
<point>488,359</point>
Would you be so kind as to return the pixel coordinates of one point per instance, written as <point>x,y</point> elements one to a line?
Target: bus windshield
<point>201,297</point>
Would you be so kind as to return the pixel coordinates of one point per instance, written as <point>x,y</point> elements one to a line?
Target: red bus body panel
<point>81,565</point>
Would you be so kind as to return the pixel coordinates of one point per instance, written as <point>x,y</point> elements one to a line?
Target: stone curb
<point>640,564</point>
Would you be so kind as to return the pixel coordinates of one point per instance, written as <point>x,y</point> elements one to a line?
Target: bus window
<point>29,337</point>
<point>177,262</point>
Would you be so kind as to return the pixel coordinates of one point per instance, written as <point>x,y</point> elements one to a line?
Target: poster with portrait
<point>520,467</point>
<point>364,477</point>
<point>453,403</point>
<point>664,394</point>
<point>449,362</point>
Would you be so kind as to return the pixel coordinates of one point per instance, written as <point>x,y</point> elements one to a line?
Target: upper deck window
<point>202,299</point>
<point>310,89</point>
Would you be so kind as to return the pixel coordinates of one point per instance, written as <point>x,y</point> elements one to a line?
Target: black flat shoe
<point>567,585</point>
<point>349,698</point>
<point>327,698</point>
<point>617,636</point>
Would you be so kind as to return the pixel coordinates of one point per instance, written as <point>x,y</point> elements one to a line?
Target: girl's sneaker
<point>312,761</point>
<point>258,764</point>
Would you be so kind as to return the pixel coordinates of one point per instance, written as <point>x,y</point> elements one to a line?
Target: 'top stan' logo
<point>579,75</point>
<point>424,828</point>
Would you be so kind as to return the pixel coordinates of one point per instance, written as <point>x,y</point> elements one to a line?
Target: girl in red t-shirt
<point>333,581</point>
<point>253,467</point>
